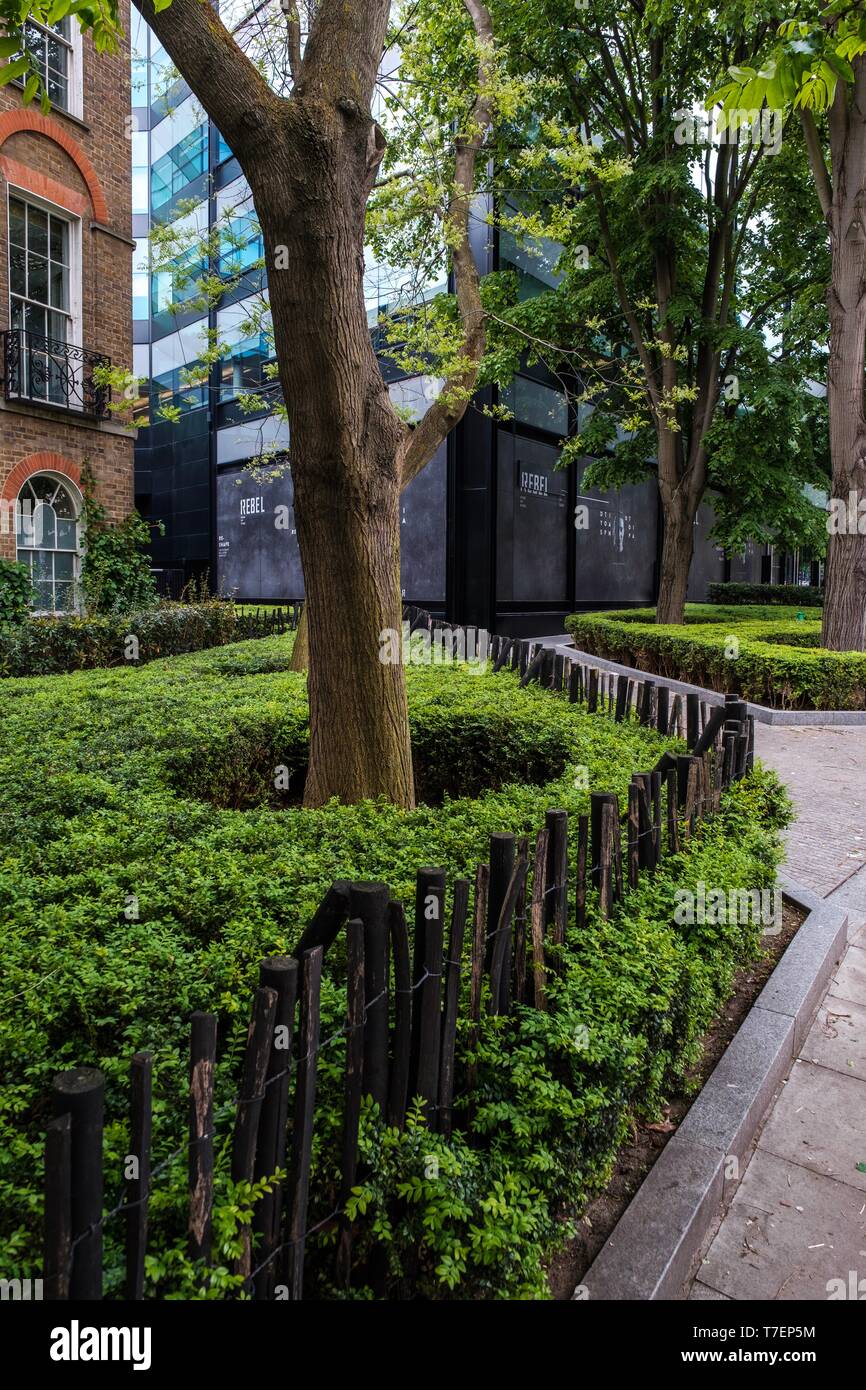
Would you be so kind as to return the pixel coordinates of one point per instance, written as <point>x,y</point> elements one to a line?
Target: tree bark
<point>844,618</point>
<point>679,508</point>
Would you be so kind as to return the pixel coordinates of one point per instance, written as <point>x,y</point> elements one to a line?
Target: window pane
<point>59,286</point>
<point>37,278</point>
<point>63,566</point>
<point>44,597</point>
<point>62,503</point>
<point>37,231</point>
<point>42,565</point>
<point>64,599</point>
<point>43,488</point>
<point>59,240</point>
<point>58,324</point>
<point>17,220</point>
<point>67,535</point>
<point>58,91</point>
<point>34,320</point>
<point>17,314</point>
<point>17,272</point>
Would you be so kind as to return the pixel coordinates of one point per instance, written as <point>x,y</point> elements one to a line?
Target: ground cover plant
<point>148,862</point>
<point>769,654</point>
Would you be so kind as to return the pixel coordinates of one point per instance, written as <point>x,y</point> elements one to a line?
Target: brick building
<point>65,303</point>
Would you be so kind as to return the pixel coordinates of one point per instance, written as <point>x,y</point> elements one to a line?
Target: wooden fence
<point>264,623</point>
<point>404,992</point>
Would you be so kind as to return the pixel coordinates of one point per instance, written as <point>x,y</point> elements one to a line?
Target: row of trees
<point>689,310</point>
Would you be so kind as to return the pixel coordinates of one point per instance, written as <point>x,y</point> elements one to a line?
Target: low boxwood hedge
<point>809,594</point>
<point>48,646</point>
<point>771,658</point>
<point>133,894</point>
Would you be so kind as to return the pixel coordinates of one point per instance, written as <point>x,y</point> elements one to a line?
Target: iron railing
<point>48,371</point>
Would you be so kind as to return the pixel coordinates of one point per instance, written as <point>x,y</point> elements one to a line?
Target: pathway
<point>798,1219</point>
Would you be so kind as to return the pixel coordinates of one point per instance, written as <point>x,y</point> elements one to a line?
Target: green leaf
<point>11,71</point>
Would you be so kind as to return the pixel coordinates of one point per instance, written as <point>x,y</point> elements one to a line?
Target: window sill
<point>78,121</point>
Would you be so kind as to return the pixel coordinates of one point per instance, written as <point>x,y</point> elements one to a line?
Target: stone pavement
<point>797,1222</point>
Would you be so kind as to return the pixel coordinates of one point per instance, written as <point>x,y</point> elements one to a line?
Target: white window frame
<point>75,75</point>
<point>77,554</point>
<point>75,250</point>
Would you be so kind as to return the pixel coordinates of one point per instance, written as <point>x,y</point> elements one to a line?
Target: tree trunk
<point>679,506</point>
<point>844,624</point>
<point>678,544</point>
<point>301,650</point>
<point>345,442</point>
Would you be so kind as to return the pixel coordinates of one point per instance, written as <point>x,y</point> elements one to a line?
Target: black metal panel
<point>423,534</point>
<point>708,561</point>
<point>532,522</point>
<point>615,551</point>
<point>257,547</point>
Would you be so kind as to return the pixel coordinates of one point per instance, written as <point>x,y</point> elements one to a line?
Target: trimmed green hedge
<point>773,660</point>
<point>49,646</point>
<point>133,896</point>
<point>809,595</point>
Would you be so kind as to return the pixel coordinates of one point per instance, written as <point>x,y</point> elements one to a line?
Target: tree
<point>311,157</point>
<point>817,67</point>
<point>665,302</point>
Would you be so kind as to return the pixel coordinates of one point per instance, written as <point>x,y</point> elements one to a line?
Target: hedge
<point>48,646</point>
<point>147,866</point>
<point>773,661</point>
<point>808,595</point>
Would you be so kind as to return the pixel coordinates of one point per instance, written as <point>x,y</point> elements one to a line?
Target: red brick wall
<point>84,166</point>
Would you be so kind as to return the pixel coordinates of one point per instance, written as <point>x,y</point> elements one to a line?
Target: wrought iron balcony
<point>46,371</point>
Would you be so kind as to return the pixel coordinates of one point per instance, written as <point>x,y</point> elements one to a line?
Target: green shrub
<point>132,897</point>
<point>775,661</point>
<point>48,646</point>
<point>807,594</point>
<point>16,592</point>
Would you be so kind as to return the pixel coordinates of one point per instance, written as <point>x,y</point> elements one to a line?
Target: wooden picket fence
<point>262,623</point>
<point>404,993</point>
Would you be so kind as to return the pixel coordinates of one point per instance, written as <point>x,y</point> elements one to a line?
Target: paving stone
<point>849,982</point>
<point>651,1250</point>
<point>819,1121</point>
<point>787,1233</point>
<point>703,1291</point>
<point>837,1038</point>
<point>729,1108</point>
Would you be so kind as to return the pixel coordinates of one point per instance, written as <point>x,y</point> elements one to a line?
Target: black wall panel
<point>615,556</point>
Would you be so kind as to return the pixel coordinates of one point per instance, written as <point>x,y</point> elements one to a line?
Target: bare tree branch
<point>293,35</point>
<point>817,162</point>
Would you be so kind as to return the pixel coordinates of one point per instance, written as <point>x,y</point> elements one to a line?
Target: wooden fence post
<point>80,1093</point>
<point>556,902</point>
<point>398,1090</point>
<point>260,1038</point>
<point>202,1058</point>
<point>500,964</point>
<point>279,973</point>
<point>138,1187</point>
<point>353,1084</point>
<point>57,1262</point>
<point>302,1126</point>
<point>582,848</point>
<point>427,984</point>
<point>539,885</point>
<point>369,902</point>
<point>459,909</point>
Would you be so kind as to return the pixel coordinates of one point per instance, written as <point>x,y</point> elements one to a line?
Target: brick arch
<point>13,121</point>
<point>39,463</point>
